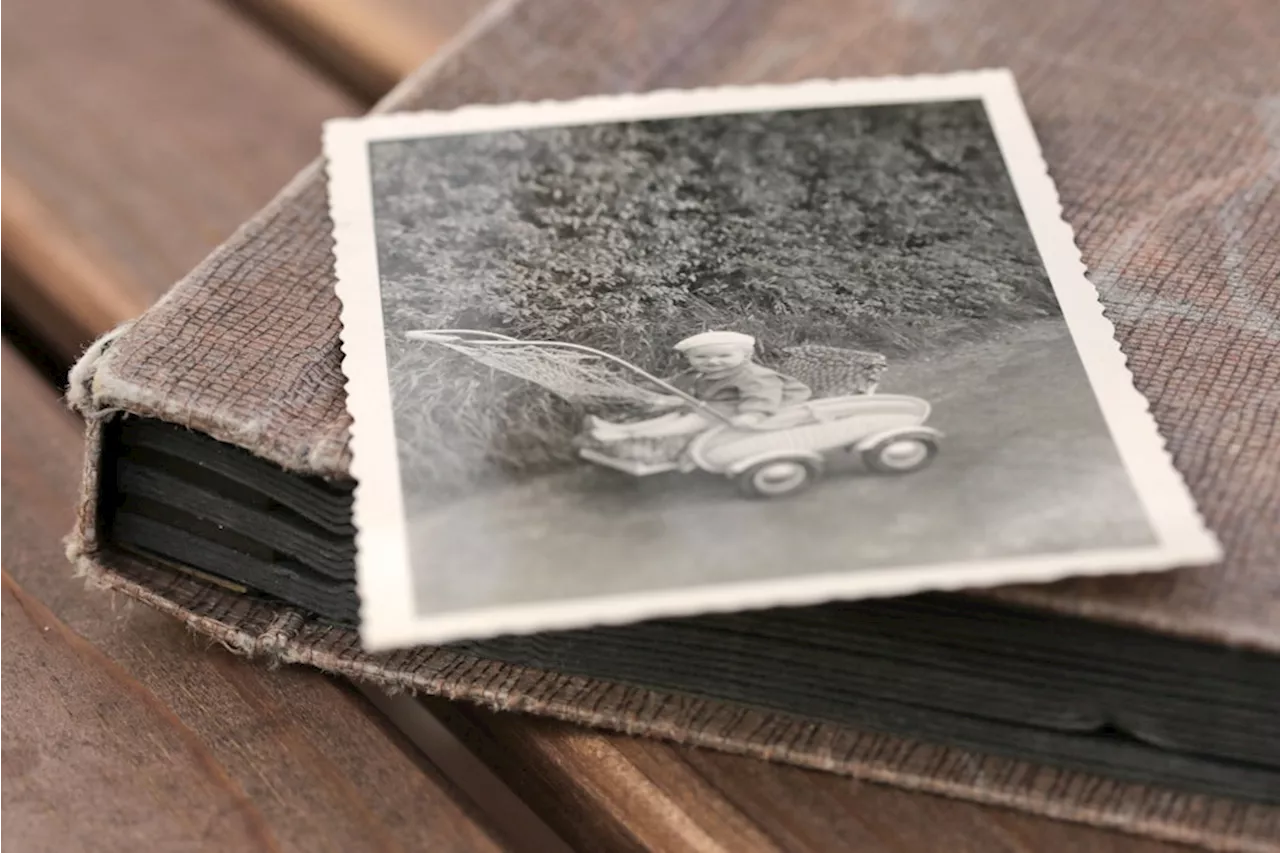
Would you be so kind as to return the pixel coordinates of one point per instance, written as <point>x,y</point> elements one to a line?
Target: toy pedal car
<point>787,452</point>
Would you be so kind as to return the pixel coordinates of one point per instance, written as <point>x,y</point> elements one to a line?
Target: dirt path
<point>1026,466</point>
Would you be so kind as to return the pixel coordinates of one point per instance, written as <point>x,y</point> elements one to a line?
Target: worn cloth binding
<point>1178,245</point>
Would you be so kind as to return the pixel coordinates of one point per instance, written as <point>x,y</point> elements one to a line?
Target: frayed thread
<point>80,379</point>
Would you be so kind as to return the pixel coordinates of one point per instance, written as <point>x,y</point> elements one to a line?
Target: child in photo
<point>722,374</point>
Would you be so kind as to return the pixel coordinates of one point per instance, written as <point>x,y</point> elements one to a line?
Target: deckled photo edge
<point>802,591</point>
<point>378,508</point>
<point>672,103</point>
<point>383,567</point>
<point>1163,491</point>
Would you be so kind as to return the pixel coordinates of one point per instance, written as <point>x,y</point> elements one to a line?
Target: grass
<point>889,228</point>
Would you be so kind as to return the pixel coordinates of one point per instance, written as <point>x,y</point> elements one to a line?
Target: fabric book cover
<point>221,486</point>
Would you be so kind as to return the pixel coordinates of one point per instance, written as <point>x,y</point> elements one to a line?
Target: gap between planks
<point>64,292</point>
<point>369,46</point>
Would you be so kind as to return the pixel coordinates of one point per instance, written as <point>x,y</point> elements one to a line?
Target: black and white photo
<point>682,352</point>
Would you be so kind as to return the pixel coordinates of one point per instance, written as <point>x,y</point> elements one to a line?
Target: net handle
<point>441,336</point>
<point>451,337</point>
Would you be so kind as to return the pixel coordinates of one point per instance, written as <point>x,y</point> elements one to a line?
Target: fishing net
<point>573,373</point>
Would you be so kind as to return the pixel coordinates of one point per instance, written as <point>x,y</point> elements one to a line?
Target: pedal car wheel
<point>776,478</point>
<point>900,454</point>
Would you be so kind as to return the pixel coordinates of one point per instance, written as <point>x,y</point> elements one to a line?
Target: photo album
<point>776,419</point>
<point>703,351</point>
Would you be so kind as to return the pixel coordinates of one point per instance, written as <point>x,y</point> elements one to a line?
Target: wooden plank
<point>369,45</point>
<point>137,135</point>
<point>78,293</point>
<point>623,793</point>
<point>123,732</point>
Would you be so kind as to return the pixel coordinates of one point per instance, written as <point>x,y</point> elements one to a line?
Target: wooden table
<point>137,135</point>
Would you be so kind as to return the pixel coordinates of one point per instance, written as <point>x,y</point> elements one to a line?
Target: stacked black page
<point>952,669</point>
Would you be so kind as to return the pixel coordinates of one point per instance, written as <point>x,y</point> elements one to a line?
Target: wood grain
<point>625,793</point>
<point>137,135</point>
<point>369,46</point>
<point>122,732</point>
<point>78,293</point>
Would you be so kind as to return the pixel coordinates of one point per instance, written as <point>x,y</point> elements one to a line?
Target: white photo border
<point>384,577</point>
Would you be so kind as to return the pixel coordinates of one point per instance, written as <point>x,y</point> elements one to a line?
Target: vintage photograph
<point>693,351</point>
